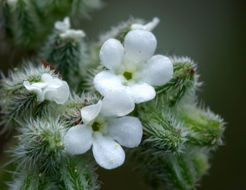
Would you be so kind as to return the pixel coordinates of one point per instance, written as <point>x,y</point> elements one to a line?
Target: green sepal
<point>205,128</point>
<point>183,79</point>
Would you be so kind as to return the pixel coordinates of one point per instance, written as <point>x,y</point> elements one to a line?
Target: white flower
<point>63,25</point>
<point>66,32</point>
<point>49,88</point>
<point>149,26</point>
<point>104,129</point>
<point>133,68</point>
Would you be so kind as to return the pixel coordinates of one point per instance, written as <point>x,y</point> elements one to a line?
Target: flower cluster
<point>132,71</point>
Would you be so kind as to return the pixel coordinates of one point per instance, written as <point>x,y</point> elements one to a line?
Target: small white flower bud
<point>66,32</point>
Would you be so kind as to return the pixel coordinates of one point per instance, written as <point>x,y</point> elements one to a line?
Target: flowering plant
<point>116,97</point>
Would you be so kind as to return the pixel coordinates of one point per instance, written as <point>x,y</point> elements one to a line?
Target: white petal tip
<point>63,25</point>
<point>158,70</point>
<point>128,131</point>
<point>89,113</point>
<point>108,154</point>
<point>106,82</point>
<point>73,34</point>
<point>148,27</point>
<point>142,92</point>
<point>117,103</point>
<point>140,45</point>
<point>78,140</point>
<point>111,54</point>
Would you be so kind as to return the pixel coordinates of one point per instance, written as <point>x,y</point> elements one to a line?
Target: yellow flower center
<point>127,75</point>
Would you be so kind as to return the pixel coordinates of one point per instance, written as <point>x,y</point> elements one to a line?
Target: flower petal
<point>127,131</point>
<point>158,70</point>
<point>46,77</point>
<point>139,45</point>
<point>76,35</point>
<point>58,91</point>
<point>149,26</point>
<point>36,88</point>
<point>141,92</point>
<point>117,103</point>
<point>108,153</point>
<point>89,113</point>
<point>111,54</point>
<point>78,139</point>
<point>106,81</point>
<point>63,25</point>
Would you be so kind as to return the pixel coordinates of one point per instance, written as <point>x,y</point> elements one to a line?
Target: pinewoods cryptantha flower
<point>66,32</point>
<point>105,130</point>
<point>49,88</point>
<point>132,68</point>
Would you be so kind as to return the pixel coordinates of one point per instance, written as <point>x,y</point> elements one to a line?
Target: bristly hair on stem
<point>16,101</point>
<point>40,143</point>
<point>163,132</point>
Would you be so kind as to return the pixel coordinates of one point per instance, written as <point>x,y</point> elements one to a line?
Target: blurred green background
<point>212,33</point>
